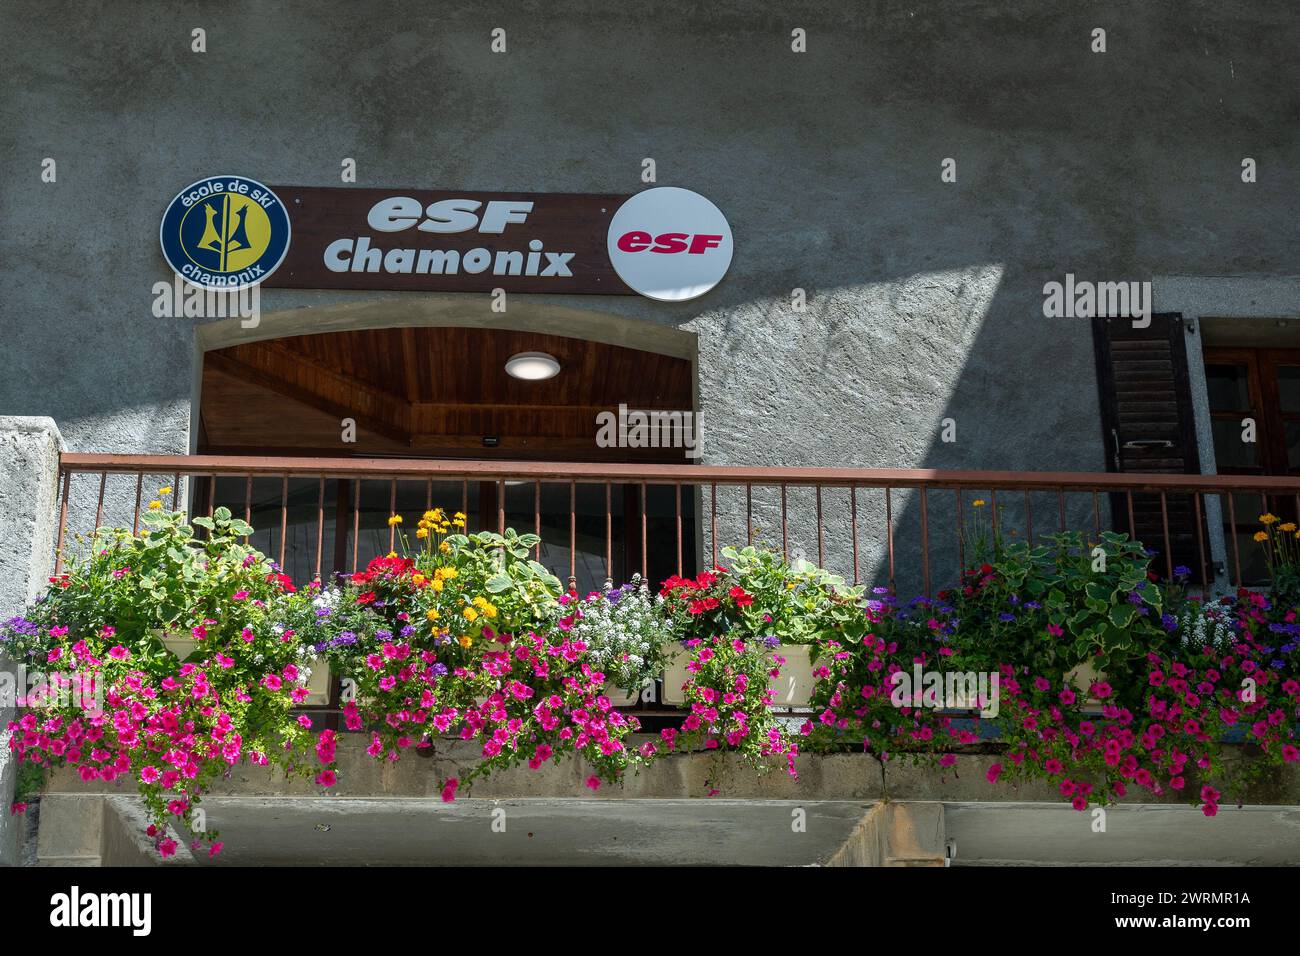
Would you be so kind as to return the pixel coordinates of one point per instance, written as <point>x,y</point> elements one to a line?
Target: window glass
<point>1229,449</point>
<point>1228,388</point>
<point>1288,387</point>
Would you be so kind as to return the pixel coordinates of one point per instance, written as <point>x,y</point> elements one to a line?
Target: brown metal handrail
<point>207,465</point>
<point>927,481</point>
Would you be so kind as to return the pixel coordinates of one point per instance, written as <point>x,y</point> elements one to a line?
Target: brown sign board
<point>422,240</point>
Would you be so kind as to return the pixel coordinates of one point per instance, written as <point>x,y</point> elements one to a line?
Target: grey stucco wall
<point>924,297</point>
<point>29,463</point>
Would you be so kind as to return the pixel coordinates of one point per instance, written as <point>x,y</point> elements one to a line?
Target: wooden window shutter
<point>1148,428</point>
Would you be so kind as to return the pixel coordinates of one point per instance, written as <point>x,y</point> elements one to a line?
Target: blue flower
<point>1006,617</point>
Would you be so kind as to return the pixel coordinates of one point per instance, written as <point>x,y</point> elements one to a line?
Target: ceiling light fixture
<point>532,366</point>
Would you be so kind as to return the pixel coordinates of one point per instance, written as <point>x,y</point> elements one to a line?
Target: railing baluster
<point>501,506</point>
<point>821,558</point>
<point>609,536</point>
<point>356,523</point>
<point>428,495</point>
<point>925,541</point>
<point>1164,524</point>
<point>1236,551</point>
<point>284,518</point>
<point>464,500</point>
<point>1132,522</point>
<point>139,488</point>
<point>785,534</point>
<point>99,505</point>
<point>1200,549</point>
<point>248,504</point>
<point>993,504</point>
<point>1060,501</point>
<point>320,527</point>
<point>749,514</point>
<point>573,536</point>
<point>677,489</point>
<point>176,489</point>
<point>961,537</point>
<point>889,537</point>
<point>392,510</point>
<point>63,523</point>
<point>1096,516</point>
<point>713,521</point>
<point>537,519</point>
<point>1029,518</point>
<point>853,522</point>
<point>645,567</point>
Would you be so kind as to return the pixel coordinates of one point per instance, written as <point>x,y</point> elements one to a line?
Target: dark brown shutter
<point>1148,428</point>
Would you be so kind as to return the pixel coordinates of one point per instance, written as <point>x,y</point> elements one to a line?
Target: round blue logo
<point>225,232</point>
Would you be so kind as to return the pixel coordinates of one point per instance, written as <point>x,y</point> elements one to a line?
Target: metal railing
<point>1193,500</point>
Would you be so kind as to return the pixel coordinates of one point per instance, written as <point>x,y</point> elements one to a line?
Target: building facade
<point>904,186</point>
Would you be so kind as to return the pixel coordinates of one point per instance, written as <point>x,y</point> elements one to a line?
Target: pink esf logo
<point>670,244</point>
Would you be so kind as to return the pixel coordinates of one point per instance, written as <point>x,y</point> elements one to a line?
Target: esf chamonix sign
<point>665,243</point>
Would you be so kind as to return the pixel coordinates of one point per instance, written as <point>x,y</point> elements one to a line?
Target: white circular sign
<point>669,244</point>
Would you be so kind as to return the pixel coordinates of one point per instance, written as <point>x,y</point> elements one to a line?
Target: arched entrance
<point>441,391</point>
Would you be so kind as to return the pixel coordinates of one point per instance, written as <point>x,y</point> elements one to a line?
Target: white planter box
<point>619,697</point>
<point>1082,677</point>
<point>180,645</point>
<point>792,689</point>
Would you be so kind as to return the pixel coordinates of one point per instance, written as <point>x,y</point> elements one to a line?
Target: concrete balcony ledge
<point>847,776</point>
<point>846,809</point>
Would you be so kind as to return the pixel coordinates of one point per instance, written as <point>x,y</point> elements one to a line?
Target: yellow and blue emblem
<point>225,232</point>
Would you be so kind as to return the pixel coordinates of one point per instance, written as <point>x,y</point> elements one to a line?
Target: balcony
<point>901,532</point>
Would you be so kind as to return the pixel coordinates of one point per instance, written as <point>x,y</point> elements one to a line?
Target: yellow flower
<point>978,503</point>
<point>392,554</point>
<point>1289,526</point>
<point>165,491</point>
<point>1261,535</point>
<point>444,547</point>
<point>395,519</point>
<point>449,573</point>
<point>422,532</point>
<point>1268,519</point>
<point>432,614</point>
<point>466,640</point>
<point>155,505</point>
<point>459,520</point>
<point>471,615</point>
<point>418,579</point>
<point>436,584</point>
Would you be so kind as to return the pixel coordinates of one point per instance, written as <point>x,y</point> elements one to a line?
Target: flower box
<point>792,689</point>
<point>318,684</point>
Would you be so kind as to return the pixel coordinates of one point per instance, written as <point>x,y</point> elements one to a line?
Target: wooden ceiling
<point>434,392</point>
